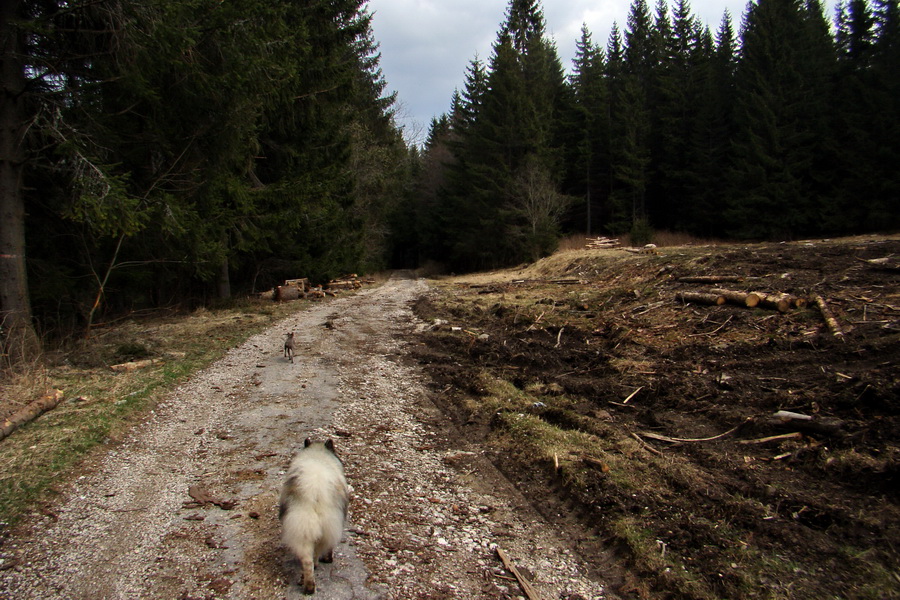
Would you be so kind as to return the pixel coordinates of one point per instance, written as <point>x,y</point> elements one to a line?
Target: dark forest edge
<point>176,153</point>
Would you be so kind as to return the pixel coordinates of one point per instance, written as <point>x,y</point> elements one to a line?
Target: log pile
<point>293,289</point>
<point>648,249</point>
<point>774,301</point>
<point>600,243</point>
<point>348,282</point>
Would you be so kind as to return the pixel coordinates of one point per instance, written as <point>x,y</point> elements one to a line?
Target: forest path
<point>427,509</point>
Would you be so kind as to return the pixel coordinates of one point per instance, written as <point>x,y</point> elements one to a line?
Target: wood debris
<point>888,263</point>
<point>200,496</point>
<point>347,282</point>
<point>134,365</point>
<point>523,583</point>
<point>832,323</point>
<point>30,412</point>
<point>601,243</point>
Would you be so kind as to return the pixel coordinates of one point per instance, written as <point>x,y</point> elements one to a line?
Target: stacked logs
<point>774,301</point>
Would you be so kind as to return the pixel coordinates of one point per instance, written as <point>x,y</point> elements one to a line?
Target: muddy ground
<point>601,363</point>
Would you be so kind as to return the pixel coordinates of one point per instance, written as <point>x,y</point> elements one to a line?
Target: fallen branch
<point>701,298</point>
<point>645,445</point>
<point>714,331</point>
<point>888,263</point>
<point>775,438</point>
<point>134,365</point>
<point>30,412</point>
<point>832,323</point>
<point>595,463</point>
<point>665,438</point>
<point>523,583</point>
<point>632,395</point>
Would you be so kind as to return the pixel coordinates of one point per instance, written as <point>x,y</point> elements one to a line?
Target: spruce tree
<point>515,117</point>
<point>587,148</point>
<point>711,139</point>
<point>782,128</point>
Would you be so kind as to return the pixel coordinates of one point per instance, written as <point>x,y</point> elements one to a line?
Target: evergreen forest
<point>171,153</point>
<point>783,127</point>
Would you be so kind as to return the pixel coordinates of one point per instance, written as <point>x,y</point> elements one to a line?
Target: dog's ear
<point>330,445</point>
<point>307,443</point>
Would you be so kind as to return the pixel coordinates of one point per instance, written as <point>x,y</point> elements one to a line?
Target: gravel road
<point>185,508</point>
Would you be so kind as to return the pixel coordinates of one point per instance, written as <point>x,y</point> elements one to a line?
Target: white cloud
<point>426,45</point>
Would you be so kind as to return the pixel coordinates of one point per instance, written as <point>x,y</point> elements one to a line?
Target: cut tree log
<point>832,323</point>
<point>286,292</point>
<point>30,412</point>
<point>701,298</point>
<point>301,284</point>
<point>779,302</point>
<point>748,299</point>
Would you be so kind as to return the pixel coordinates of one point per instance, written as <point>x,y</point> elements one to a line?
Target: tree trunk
<point>224,281</point>
<point>17,336</point>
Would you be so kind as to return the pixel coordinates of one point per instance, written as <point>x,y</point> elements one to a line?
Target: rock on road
<point>186,506</point>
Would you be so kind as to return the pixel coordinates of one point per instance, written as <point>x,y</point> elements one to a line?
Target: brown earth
<point>598,357</point>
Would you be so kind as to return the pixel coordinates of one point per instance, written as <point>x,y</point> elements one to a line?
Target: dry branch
<point>523,583</point>
<point>134,365</point>
<point>888,263</point>
<point>832,323</point>
<point>775,438</point>
<point>665,438</point>
<point>632,395</point>
<point>701,298</point>
<point>30,412</point>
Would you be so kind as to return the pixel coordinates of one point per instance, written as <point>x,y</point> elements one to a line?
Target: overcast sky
<point>426,45</point>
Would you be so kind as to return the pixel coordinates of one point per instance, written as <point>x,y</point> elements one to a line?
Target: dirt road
<point>186,507</point>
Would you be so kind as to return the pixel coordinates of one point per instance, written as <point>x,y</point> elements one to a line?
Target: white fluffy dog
<point>313,506</point>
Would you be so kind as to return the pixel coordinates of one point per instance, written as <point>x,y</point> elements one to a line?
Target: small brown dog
<point>313,507</point>
<point>289,346</point>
